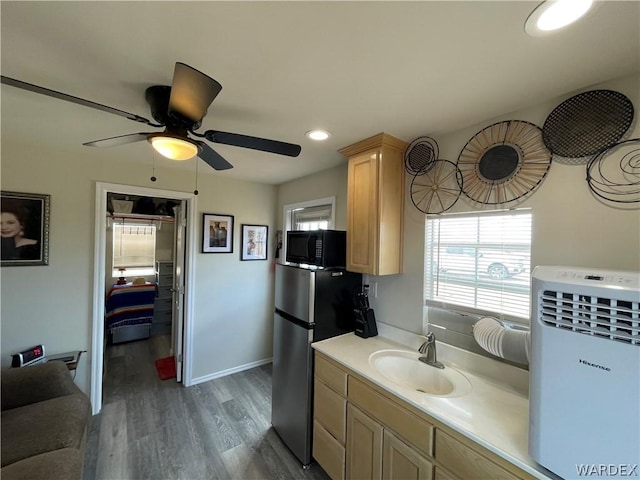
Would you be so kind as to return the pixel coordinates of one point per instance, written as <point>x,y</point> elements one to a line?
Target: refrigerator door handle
<point>294,320</point>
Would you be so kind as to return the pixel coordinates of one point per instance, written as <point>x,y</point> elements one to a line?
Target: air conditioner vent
<point>617,320</point>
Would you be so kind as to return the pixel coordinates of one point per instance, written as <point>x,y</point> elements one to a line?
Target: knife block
<point>365,323</point>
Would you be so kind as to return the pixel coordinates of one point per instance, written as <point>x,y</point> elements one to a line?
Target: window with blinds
<point>134,246</point>
<point>480,262</point>
<point>315,217</point>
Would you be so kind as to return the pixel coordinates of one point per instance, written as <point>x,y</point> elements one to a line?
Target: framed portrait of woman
<point>24,229</point>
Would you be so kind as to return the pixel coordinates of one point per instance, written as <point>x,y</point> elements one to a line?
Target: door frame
<point>99,272</point>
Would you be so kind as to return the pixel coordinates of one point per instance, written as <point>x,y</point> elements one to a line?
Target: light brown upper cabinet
<point>375,205</point>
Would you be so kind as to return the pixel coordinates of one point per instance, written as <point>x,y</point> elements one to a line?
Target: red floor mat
<point>166,368</point>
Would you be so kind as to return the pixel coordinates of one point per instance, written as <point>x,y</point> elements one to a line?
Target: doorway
<point>185,241</point>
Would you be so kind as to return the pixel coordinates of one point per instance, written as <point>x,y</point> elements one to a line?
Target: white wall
<point>52,304</point>
<point>233,298</point>
<point>570,226</point>
<point>328,183</point>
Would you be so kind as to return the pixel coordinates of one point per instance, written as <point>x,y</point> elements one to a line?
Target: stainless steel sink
<point>403,368</point>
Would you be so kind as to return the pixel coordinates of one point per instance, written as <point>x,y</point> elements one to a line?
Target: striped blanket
<point>129,305</point>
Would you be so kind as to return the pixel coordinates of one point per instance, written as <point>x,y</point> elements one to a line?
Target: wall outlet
<point>373,290</point>
<point>372,286</point>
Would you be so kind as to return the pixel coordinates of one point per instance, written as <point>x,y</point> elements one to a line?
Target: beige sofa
<point>44,423</point>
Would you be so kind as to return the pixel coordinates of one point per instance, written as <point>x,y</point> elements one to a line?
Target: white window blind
<point>134,245</point>
<point>480,262</point>
<point>311,218</point>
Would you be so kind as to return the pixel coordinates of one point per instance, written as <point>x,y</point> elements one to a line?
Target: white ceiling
<point>354,68</point>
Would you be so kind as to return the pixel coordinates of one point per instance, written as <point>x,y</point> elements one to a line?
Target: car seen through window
<point>497,265</point>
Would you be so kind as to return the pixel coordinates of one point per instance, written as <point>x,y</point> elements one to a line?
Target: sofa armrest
<point>26,385</point>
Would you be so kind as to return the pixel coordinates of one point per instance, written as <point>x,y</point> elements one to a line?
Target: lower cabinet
<point>465,461</point>
<point>374,452</point>
<point>400,461</point>
<point>442,474</point>
<point>363,432</point>
<point>364,445</point>
<point>329,417</point>
<point>328,452</point>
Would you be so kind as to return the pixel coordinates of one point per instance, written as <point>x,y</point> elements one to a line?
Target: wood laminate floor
<point>154,429</point>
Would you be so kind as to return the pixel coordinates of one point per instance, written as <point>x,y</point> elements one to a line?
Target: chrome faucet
<point>428,350</point>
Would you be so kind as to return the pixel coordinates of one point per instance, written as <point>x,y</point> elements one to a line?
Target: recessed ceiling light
<point>318,135</point>
<point>553,15</point>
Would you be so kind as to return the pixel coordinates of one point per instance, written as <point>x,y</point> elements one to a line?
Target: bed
<point>129,312</point>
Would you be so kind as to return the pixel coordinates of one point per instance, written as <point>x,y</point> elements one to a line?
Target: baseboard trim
<point>230,371</point>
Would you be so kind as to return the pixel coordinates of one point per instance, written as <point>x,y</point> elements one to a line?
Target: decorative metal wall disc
<point>587,123</point>
<point>614,174</point>
<point>437,190</point>
<point>420,155</point>
<point>571,161</point>
<point>503,162</point>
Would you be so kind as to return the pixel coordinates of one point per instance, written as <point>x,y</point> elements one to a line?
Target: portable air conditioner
<point>585,372</point>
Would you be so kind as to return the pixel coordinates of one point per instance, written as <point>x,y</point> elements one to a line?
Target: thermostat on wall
<point>28,357</point>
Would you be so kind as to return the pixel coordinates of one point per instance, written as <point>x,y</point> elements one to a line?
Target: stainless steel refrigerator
<point>310,305</point>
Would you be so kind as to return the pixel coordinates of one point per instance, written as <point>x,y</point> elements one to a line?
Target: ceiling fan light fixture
<point>174,148</point>
<point>318,135</point>
<point>552,15</point>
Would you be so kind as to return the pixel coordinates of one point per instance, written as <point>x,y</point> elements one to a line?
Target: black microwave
<point>322,248</point>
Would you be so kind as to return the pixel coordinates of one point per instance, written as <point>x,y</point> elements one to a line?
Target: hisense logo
<point>594,365</point>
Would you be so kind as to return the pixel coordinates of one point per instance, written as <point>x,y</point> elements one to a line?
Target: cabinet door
<point>415,430</point>
<point>362,213</point>
<point>364,446</point>
<point>442,474</point>
<point>401,462</point>
<point>375,205</point>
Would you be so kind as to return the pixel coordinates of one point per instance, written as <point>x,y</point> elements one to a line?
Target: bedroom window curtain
<point>134,245</point>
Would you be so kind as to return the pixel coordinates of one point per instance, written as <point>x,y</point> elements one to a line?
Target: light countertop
<point>494,415</point>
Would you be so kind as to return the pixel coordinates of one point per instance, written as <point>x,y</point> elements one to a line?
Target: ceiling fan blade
<point>246,141</point>
<point>213,158</point>
<point>121,140</point>
<point>191,93</point>
<point>70,98</point>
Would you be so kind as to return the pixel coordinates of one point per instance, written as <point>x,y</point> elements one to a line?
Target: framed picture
<point>217,233</point>
<point>24,219</point>
<point>254,242</point>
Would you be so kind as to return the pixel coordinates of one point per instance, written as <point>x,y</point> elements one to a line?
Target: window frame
<point>288,208</point>
<point>133,270</point>
<point>464,309</point>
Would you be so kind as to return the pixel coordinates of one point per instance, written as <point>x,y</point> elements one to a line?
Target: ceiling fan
<point>178,108</point>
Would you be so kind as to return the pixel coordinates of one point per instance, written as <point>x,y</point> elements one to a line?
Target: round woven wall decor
<point>503,162</point>
<point>614,175</point>
<point>437,190</point>
<point>587,123</point>
<point>420,155</point>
